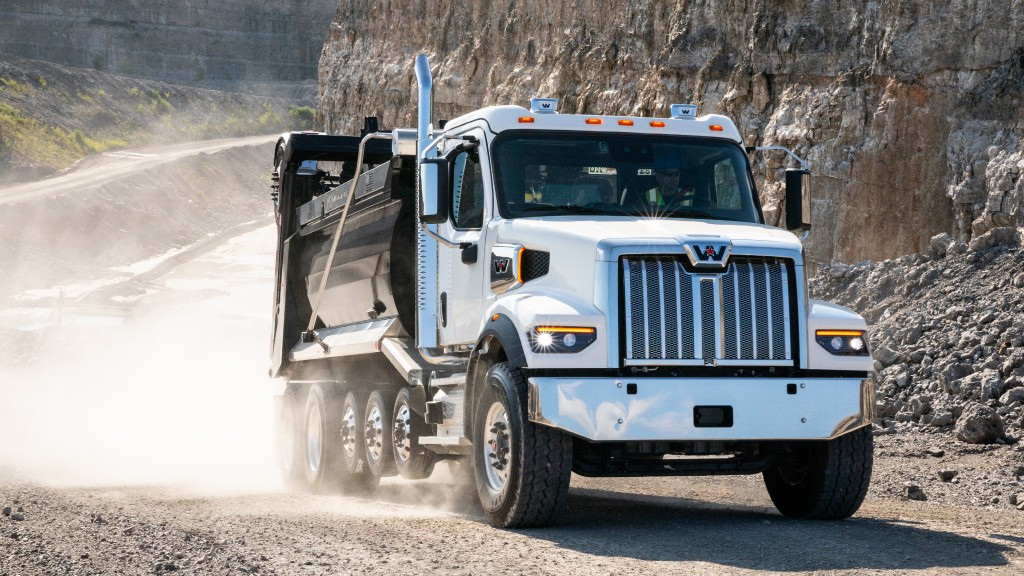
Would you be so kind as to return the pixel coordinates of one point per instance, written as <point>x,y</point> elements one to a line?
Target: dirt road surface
<point>138,441</point>
<point>97,170</point>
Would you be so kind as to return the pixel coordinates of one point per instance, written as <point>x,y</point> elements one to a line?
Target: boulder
<point>979,424</point>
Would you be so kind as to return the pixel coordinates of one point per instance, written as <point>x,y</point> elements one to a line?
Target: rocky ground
<point>947,335</point>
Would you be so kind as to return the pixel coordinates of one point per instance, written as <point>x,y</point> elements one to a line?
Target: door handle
<point>469,252</point>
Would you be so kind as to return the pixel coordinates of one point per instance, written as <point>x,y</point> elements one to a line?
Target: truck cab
<point>593,294</point>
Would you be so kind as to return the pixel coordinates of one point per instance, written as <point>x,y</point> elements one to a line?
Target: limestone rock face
<point>911,114</point>
<point>214,43</point>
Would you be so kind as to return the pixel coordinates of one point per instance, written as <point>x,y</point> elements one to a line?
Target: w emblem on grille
<point>708,255</point>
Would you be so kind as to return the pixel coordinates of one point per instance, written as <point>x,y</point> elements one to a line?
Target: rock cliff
<point>220,44</point>
<point>910,113</point>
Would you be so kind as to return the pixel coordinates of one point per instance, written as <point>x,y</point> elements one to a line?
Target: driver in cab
<point>673,190</point>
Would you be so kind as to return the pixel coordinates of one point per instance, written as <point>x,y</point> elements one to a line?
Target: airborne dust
<point>159,382</point>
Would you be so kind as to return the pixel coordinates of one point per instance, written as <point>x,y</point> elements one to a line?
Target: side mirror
<point>435,185</point>
<point>798,199</point>
<point>434,190</point>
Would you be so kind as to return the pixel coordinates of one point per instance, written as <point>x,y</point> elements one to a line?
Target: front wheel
<point>522,469</point>
<point>822,480</point>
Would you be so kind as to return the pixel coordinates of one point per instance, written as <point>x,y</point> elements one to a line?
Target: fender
<point>502,332</point>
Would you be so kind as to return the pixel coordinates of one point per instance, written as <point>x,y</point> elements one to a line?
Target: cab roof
<point>502,118</point>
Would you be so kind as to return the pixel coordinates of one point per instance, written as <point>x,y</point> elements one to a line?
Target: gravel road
<point>146,451</point>
<point>135,438</point>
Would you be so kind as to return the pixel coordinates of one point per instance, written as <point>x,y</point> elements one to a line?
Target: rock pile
<point>946,332</point>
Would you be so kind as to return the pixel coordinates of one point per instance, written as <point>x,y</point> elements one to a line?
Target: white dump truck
<point>531,294</point>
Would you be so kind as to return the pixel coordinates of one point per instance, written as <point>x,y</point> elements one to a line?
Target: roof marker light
<point>593,120</point>
<point>526,119</point>
<point>625,122</point>
<point>657,124</point>
<point>716,127</point>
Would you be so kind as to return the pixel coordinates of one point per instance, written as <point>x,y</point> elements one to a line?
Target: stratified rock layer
<point>212,43</point>
<point>910,113</point>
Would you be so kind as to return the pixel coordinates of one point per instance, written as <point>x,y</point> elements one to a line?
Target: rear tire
<point>356,475</point>
<point>288,445</point>
<point>322,446</point>
<point>822,480</point>
<point>522,469</point>
<point>380,456</point>
<point>414,462</point>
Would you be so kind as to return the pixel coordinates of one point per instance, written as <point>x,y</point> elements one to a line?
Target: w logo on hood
<point>708,254</point>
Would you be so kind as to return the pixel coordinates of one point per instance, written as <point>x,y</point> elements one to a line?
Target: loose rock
<point>979,424</point>
<point>947,475</point>
<point>913,492</point>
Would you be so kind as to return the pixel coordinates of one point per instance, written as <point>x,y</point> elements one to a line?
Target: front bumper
<point>662,409</point>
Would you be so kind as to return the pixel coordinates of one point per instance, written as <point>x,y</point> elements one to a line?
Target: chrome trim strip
<point>771,311</point>
<point>680,329</point>
<point>785,300</point>
<point>629,309</point>
<point>661,290</point>
<point>646,316</point>
<point>753,309</point>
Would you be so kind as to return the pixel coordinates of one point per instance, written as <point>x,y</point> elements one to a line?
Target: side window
<point>467,191</point>
<point>727,188</point>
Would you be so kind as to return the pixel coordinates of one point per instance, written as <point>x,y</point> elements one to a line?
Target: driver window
<point>467,191</point>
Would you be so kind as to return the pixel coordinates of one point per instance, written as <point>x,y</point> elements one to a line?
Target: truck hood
<point>600,235</point>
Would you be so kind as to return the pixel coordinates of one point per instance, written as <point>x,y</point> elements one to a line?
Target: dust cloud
<point>158,382</point>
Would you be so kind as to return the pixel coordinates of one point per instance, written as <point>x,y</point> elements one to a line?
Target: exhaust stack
<point>426,247</point>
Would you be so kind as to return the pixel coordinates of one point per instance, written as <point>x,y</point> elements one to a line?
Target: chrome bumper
<point>662,409</point>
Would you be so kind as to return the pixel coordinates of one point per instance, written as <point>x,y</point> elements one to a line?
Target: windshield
<point>641,175</point>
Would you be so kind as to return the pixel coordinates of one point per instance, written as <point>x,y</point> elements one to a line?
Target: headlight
<point>561,339</point>
<point>843,342</point>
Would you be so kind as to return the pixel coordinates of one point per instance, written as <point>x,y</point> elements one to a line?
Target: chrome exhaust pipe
<point>426,247</point>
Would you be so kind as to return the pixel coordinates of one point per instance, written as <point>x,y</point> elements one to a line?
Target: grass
<point>54,122</point>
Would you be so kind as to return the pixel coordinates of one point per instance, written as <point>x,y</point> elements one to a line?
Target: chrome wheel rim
<point>374,433</point>
<point>348,431</point>
<point>497,447</point>
<point>402,432</point>
<point>313,438</point>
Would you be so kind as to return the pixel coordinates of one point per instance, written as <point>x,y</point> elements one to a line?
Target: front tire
<point>822,480</point>
<point>522,469</point>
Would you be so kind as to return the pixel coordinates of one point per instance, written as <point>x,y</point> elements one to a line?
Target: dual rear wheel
<point>333,443</point>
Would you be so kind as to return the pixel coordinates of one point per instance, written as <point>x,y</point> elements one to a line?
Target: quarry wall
<point>212,43</point>
<point>910,112</point>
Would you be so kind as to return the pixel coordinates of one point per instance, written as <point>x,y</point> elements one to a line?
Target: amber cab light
<point>657,124</point>
<point>625,122</point>
<point>593,120</point>
<point>716,128</point>
<point>526,119</point>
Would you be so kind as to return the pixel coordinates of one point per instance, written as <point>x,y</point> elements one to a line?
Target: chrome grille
<point>677,317</point>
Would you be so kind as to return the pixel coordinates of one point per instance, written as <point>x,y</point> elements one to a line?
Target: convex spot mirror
<point>436,184</point>
<point>798,199</point>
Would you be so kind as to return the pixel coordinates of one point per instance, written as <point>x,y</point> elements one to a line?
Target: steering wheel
<point>695,201</point>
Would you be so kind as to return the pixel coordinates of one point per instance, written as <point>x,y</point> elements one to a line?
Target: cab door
<point>462,268</point>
